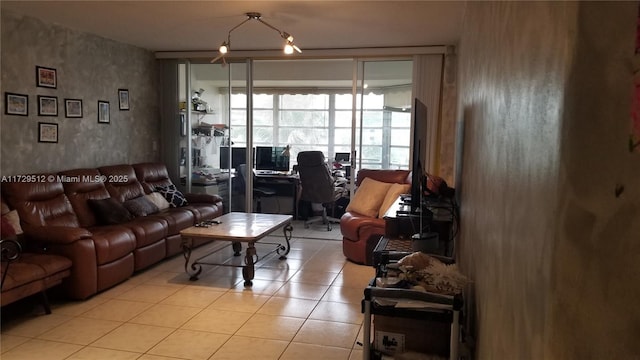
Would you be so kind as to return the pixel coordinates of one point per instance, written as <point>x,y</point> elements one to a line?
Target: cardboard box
<point>395,335</point>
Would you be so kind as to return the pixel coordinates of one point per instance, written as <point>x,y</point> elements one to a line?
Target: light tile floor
<point>306,307</point>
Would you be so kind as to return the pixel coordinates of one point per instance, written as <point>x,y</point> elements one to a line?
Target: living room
<point>544,97</point>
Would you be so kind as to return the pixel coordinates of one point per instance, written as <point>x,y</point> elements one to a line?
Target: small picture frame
<point>73,108</point>
<point>16,104</point>
<point>47,132</point>
<point>46,77</point>
<point>47,105</point>
<point>123,99</point>
<point>103,112</point>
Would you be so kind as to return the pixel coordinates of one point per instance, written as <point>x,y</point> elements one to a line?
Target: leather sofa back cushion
<point>90,186</point>
<point>369,197</point>
<point>388,176</point>
<point>122,182</point>
<point>40,203</point>
<point>152,175</point>
<point>109,211</point>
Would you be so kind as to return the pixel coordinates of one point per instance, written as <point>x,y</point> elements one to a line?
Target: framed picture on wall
<point>47,132</point>
<point>123,99</point>
<point>16,104</point>
<point>47,105</point>
<point>103,112</point>
<point>73,108</point>
<point>46,77</point>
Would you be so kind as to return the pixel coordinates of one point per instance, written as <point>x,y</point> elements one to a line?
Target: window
<point>323,122</point>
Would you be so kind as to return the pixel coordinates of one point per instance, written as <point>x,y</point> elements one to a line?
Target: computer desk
<point>285,185</point>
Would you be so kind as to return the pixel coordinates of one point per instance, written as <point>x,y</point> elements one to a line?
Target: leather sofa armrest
<point>203,198</point>
<point>352,225</point>
<point>56,234</point>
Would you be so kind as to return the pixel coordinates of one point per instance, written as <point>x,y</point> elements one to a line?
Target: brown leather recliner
<point>47,217</point>
<point>361,233</point>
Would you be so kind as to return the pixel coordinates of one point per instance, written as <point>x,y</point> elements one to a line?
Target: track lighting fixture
<point>289,46</point>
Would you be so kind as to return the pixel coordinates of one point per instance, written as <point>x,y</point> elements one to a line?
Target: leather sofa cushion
<point>122,182</point>
<point>40,203</point>
<point>176,218</point>
<point>112,243</point>
<point>33,267</point>
<point>78,192</point>
<point>152,175</point>
<point>357,227</point>
<point>389,176</point>
<point>203,211</point>
<point>148,230</point>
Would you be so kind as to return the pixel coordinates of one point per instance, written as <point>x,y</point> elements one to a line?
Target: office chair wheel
<point>328,226</point>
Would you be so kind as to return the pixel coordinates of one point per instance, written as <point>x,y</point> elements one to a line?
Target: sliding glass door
<point>337,106</point>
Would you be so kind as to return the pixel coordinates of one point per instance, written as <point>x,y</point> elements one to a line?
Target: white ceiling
<point>183,25</point>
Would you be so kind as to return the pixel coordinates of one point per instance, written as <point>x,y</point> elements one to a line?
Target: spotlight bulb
<point>288,49</point>
<point>224,48</point>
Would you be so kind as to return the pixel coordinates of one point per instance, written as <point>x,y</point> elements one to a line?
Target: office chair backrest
<point>241,175</point>
<point>315,177</point>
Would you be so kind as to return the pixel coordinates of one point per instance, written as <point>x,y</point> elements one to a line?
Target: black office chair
<point>318,186</point>
<point>258,192</point>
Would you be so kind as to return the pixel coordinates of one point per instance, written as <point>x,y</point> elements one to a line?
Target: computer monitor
<point>342,156</point>
<point>238,156</point>
<point>264,158</point>
<point>271,158</point>
<point>281,162</point>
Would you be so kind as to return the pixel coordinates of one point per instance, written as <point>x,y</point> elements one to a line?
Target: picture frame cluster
<point>47,105</point>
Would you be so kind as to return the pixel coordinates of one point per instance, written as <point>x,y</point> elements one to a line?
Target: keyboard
<point>266,172</point>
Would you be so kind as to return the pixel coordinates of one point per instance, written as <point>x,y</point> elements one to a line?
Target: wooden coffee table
<point>237,227</point>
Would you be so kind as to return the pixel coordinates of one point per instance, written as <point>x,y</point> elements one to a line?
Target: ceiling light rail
<point>289,46</point>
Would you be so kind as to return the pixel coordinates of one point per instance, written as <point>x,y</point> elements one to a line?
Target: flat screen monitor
<point>264,158</point>
<point>271,158</point>
<point>281,162</point>
<point>238,156</point>
<point>342,157</point>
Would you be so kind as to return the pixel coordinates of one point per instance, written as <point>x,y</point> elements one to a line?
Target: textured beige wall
<point>90,68</point>
<point>595,286</point>
<point>545,100</point>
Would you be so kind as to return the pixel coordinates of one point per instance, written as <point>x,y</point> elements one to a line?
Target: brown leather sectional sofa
<point>360,233</point>
<point>55,214</point>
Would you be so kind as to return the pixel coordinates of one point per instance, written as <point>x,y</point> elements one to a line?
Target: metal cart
<point>441,308</point>
<point>427,306</point>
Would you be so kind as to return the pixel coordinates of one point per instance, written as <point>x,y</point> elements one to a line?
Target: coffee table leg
<point>196,269</point>
<point>287,236</point>
<point>237,248</point>
<point>248,270</point>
